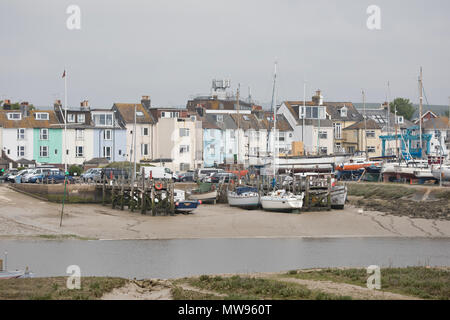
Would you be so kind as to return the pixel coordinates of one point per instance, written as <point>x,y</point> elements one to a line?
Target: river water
<point>178,258</point>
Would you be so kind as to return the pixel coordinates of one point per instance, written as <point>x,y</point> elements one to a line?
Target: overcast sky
<point>171,50</point>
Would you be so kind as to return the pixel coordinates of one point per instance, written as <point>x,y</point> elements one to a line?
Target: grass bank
<point>55,288</point>
<point>420,282</point>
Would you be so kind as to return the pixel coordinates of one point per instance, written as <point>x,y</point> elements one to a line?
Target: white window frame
<point>20,151</point>
<point>323,135</point>
<point>79,154</point>
<point>337,128</point>
<point>105,135</point>
<point>70,117</point>
<point>370,134</point>
<point>144,130</point>
<point>144,149</point>
<point>107,120</point>
<point>79,134</point>
<point>184,149</point>
<point>184,132</point>
<point>14,116</point>
<point>43,134</point>
<point>81,118</point>
<point>374,149</point>
<point>43,152</point>
<point>21,134</point>
<point>106,154</point>
<point>41,116</point>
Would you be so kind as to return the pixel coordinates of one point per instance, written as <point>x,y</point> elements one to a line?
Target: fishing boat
<point>209,196</point>
<point>358,162</point>
<point>244,197</point>
<point>441,173</point>
<point>281,200</point>
<point>338,197</point>
<point>182,205</point>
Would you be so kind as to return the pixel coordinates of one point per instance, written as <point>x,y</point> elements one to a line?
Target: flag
<point>64,74</point>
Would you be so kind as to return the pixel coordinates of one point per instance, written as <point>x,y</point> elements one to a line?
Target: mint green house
<point>47,145</point>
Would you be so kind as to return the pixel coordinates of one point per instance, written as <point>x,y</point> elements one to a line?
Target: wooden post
<point>329,193</point>
<point>103,191</point>
<point>307,193</point>
<point>122,196</point>
<point>152,195</point>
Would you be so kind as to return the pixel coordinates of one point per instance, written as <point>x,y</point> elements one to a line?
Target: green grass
<point>70,199</point>
<point>380,191</point>
<point>246,288</point>
<point>421,282</point>
<point>63,237</point>
<point>55,288</point>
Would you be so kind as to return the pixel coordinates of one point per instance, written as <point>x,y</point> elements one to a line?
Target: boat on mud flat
<point>182,205</point>
<point>206,193</point>
<point>244,197</point>
<point>5,274</point>
<point>441,173</point>
<point>281,200</point>
<point>338,197</point>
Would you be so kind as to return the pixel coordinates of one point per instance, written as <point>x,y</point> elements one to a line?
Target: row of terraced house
<point>210,131</point>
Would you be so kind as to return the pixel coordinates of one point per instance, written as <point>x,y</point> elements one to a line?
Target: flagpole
<point>65,121</point>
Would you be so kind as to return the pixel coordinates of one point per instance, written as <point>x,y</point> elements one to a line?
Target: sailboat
<point>279,200</point>
<point>244,197</point>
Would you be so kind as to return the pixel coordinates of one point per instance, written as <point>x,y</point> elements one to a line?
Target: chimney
<point>25,109</point>
<point>146,102</point>
<point>318,98</point>
<point>7,104</point>
<point>84,105</point>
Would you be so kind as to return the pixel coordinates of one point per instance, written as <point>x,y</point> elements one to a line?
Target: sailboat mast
<point>238,123</point>
<point>274,120</point>
<point>365,121</point>
<point>421,111</point>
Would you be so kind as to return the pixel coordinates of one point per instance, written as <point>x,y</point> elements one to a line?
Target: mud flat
<point>22,216</point>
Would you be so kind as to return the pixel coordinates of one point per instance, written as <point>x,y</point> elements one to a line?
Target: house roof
<point>97,161</point>
<point>380,116</point>
<point>251,122</point>
<point>436,123</point>
<point>369,124</point>
<point>126,111</point>
<point>332,108</point>
<point>29,121</point>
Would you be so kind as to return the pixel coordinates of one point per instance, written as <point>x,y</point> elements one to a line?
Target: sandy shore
<point>24,216</point>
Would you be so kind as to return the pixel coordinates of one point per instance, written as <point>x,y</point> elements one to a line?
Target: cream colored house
<point>364,136</point>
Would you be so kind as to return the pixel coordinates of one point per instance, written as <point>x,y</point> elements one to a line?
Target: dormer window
<point>400,120</point>
<point>139,114</point>
<point>14,116</point>
<point>41,116</point>
<point>219,118</point>
<point>81,118</point>
<point>344,112</point>
<point>70,117</point>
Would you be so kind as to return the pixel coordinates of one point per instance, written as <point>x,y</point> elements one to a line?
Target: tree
<point>404,108</point>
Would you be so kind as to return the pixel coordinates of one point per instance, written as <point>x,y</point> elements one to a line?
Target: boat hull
<point>186,206</point>
<point>207,196</point>
<point>338,197</point>
<point>243,201</point>
<point>271,203</point>
<point>445,173</point>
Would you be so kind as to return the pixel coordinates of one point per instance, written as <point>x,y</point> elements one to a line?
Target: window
<point>281,136</point>
<point>21,151</point>
<point>107,153</point>
<point>79,134</point>
<point>21,134</point>
<point>184,149</point>
<point>103,119</point>
<point>167,114</point>
<point>193,118</point>
<point>370,134</point>
<point>79,151</point>
<point>184,166</point>
<point>41,116</point>
<point>232,134</point>
<point>337,130</point>
<point>14,116</point>
<point>184,132</point>
<point>212,149</point>
<point>400,120</point>
<point>43,134</point>
<point>71,117</point>
<point>323,150</point>
<point>43,151</point>
<point>144,149</point>
<point>139,114</point>
<point>343,112</point>
<point>323,135</point>
<point>219,118</point>
<point>81,118</point>
<point>145,131</point>
<point>107,135</point>
<point>371,149</point>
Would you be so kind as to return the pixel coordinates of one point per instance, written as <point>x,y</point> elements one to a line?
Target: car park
<point>50,177</point>
<point>93,174</point>
<point>186,177</point>
<point>18,175</point>
<point>37,172</point>
<point>225,177</point>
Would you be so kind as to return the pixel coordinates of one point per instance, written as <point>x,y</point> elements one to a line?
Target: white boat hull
<point>338,197</point>
<point>243,201</point>
<point>282,202</point>
<point>445,173</point>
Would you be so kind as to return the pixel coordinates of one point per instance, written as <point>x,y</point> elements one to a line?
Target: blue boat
<point>182,205</point>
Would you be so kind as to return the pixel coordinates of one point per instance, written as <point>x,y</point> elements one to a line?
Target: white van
<point>158,173</point>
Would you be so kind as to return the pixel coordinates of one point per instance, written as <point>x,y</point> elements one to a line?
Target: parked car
<point>50,177</point>
<point>18,175</point>
<point>93,174</point>
<point>114,173</point>
<point>186,177</point>
<point>37,171</point>
<point>159,173</point>
<point>206,172</point>
<point>225,177</point>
